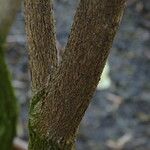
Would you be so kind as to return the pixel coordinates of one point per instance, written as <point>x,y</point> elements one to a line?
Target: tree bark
<point>58,107</point>
<point>42,41</point>
<point>8,104</point>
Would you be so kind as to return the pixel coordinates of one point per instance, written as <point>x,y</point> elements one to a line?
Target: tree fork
<point>58,107</point>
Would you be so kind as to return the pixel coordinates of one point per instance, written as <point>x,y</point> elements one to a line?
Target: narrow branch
<point>93,31</point>
<point>41,38</point>
<point>63,104</point>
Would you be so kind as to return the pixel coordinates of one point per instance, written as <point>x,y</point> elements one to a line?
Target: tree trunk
<point>62,92</point>
<point>8,104</point>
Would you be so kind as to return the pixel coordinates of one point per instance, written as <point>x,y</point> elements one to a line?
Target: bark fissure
<point>67,95</point>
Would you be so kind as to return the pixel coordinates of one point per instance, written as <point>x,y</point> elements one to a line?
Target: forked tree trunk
<point>8,104</point>
<point>62,92</point>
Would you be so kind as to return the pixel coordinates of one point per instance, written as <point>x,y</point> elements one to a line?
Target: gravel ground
<point>118,117</point>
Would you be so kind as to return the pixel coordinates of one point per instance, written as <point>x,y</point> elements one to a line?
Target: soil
<point>118,117</point>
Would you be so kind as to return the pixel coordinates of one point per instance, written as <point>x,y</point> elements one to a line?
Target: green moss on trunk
<point>44,142</point>
<point>8,105</point>
<point>37,143</point>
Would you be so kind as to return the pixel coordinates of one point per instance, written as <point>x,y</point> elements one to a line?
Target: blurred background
<point>119,116</point>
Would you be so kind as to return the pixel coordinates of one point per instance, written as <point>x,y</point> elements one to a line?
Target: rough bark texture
<point>42,41</point>
<point>57,109</point>
<point>8,104</point>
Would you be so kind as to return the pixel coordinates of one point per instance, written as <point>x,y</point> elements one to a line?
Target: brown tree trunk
<point>62,92</point>
<point>8,103</point>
